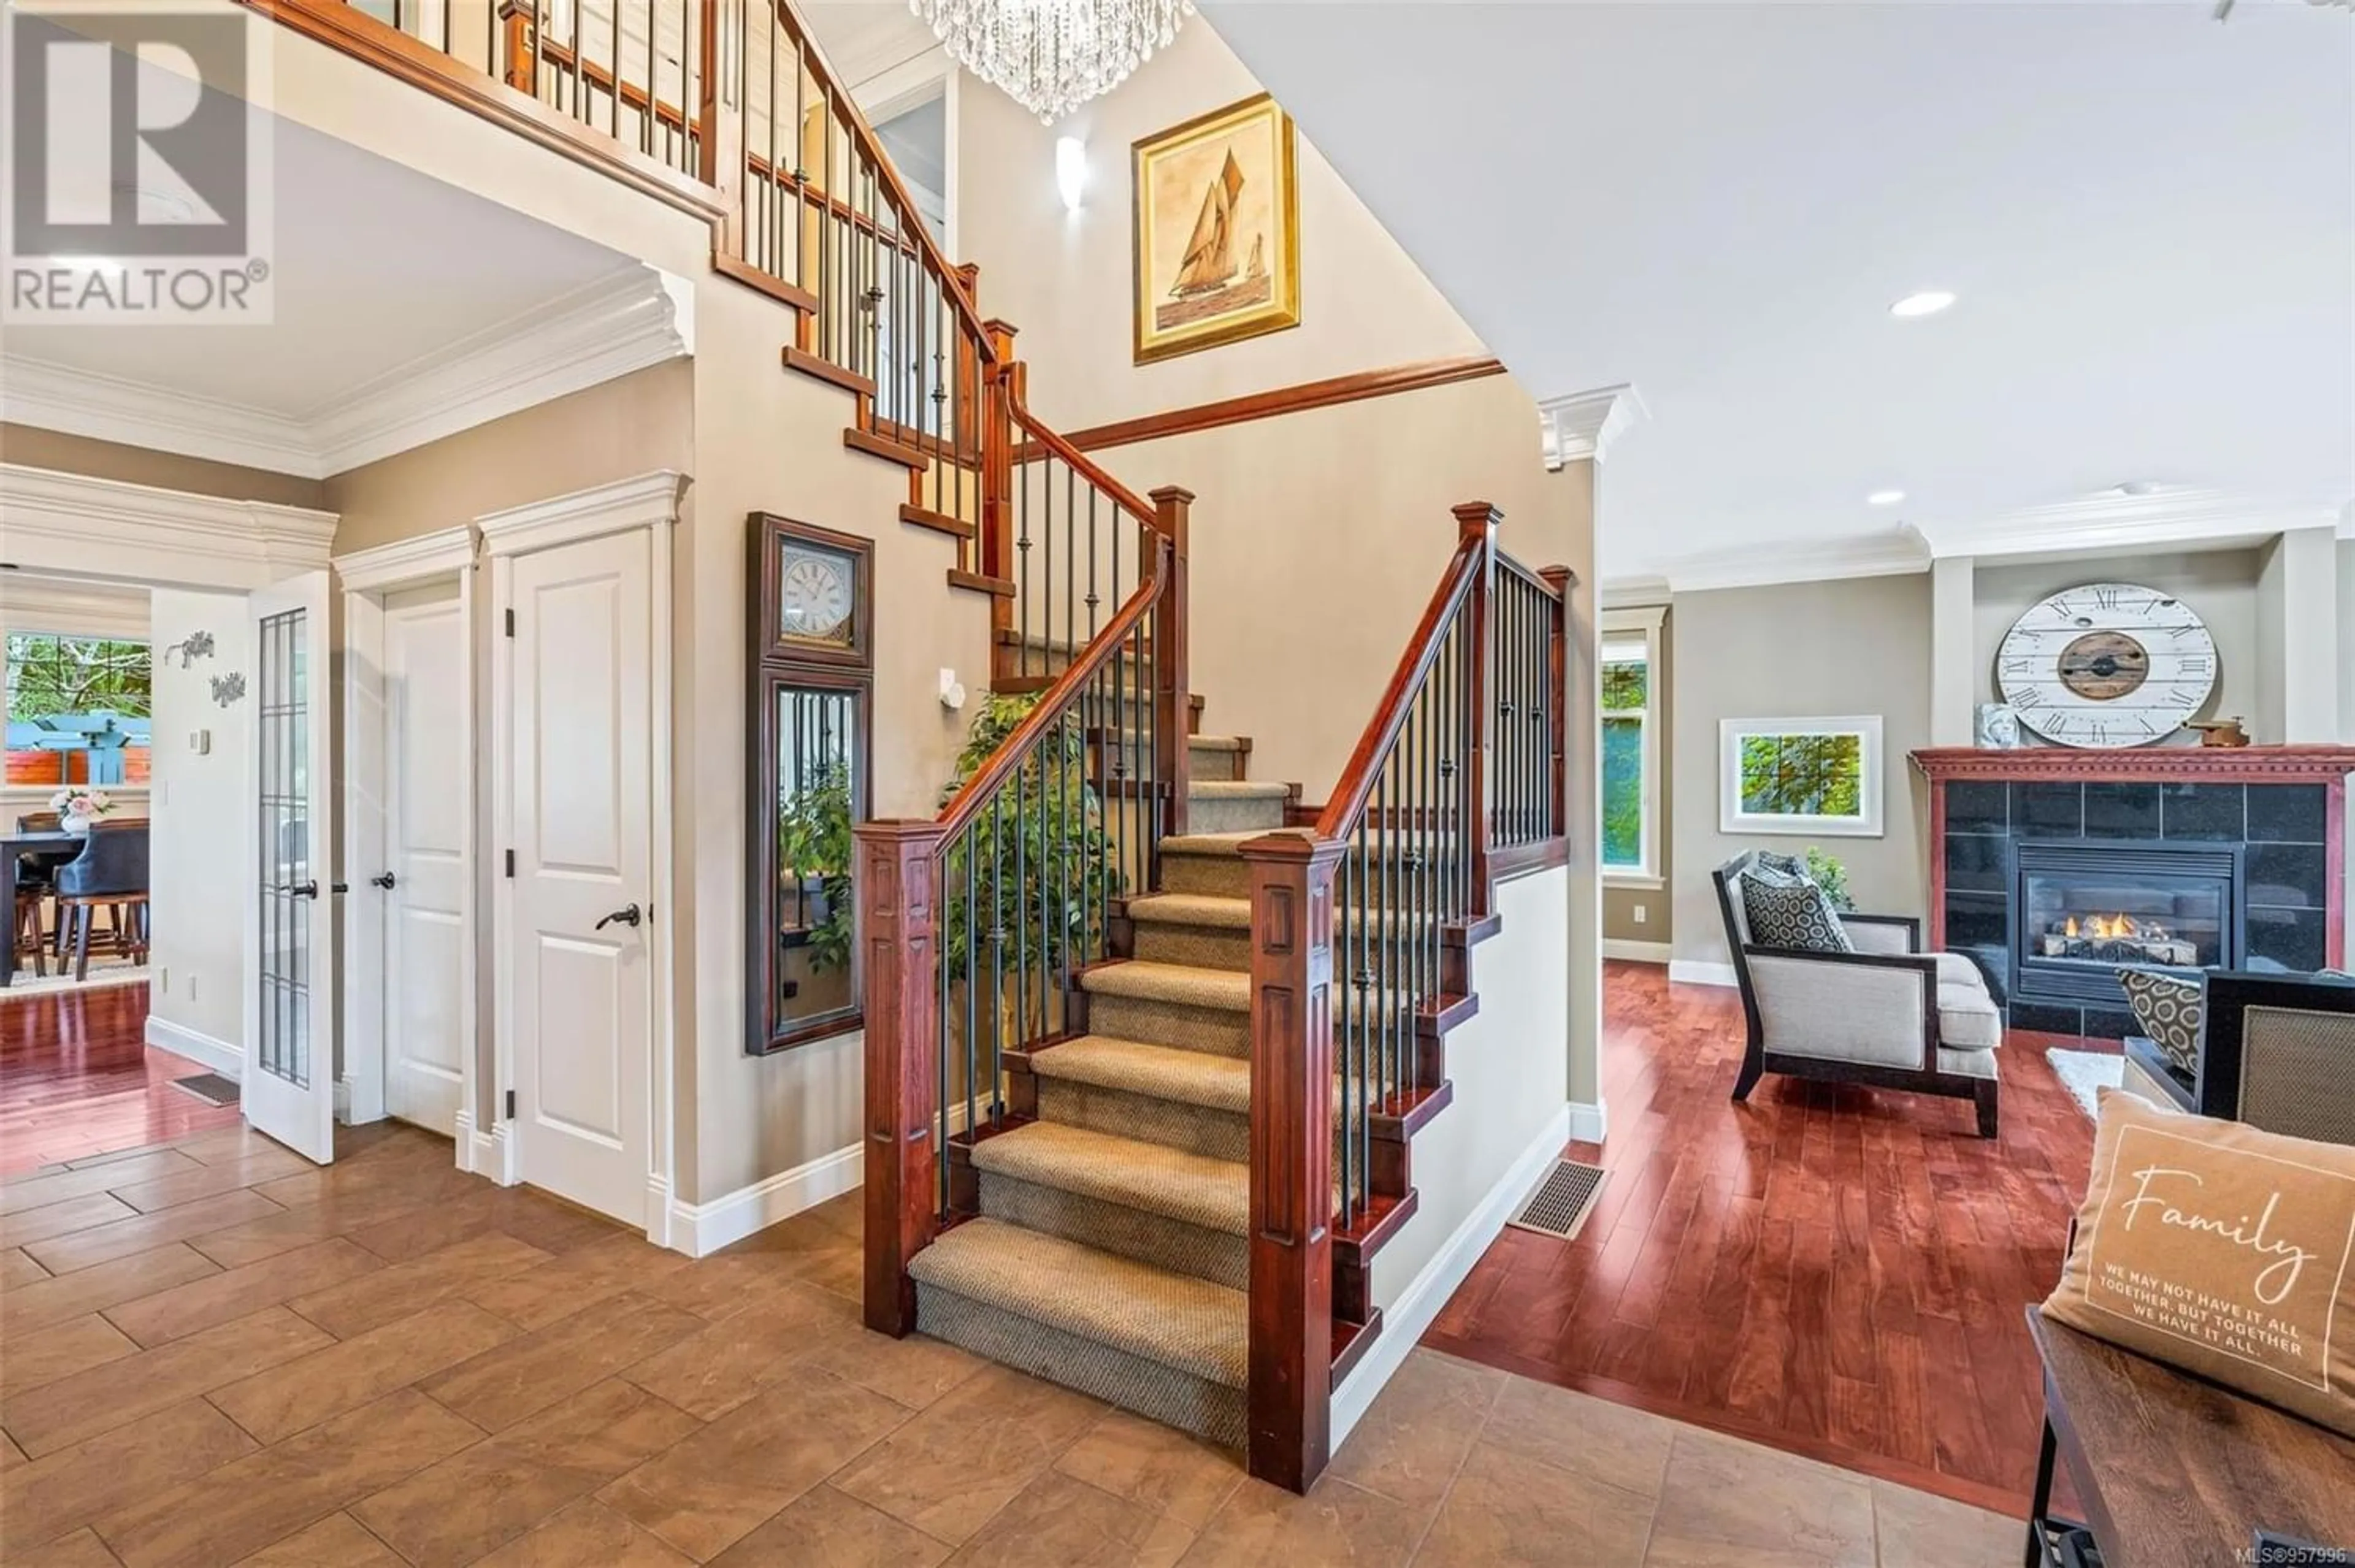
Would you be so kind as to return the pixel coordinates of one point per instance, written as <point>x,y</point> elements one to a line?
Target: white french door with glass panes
<point>289,1082</point>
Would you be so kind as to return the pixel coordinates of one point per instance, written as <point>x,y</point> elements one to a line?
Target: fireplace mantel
<point>2284,807</point>
<point>2173,765</point>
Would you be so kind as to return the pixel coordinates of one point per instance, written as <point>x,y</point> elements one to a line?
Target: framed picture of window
<point>1813,777</point>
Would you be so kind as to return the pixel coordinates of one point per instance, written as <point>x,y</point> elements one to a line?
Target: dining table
<point>50,844</point>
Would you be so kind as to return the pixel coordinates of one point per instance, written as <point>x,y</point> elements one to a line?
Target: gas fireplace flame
<point>2114,928</point>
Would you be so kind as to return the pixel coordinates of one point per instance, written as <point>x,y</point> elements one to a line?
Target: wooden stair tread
<point>939,522</point>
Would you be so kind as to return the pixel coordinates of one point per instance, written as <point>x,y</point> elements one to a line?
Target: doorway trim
<point>366,576</point>
<point>649,501</point>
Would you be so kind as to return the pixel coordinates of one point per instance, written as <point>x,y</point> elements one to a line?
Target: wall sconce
<point>1071,170</point>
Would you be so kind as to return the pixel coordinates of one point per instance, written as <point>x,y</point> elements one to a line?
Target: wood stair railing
<point>1362,928</point>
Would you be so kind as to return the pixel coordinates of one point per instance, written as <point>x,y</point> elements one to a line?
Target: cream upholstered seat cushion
<point>1968,1019</point>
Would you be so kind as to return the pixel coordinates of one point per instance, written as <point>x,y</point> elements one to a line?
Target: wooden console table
<point>2174,1471</point>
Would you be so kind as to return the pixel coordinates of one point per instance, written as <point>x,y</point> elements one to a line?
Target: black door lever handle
<point>627,916</point>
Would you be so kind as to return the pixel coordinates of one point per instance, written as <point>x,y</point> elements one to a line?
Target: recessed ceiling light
<point>1884,497</point>
<point>1929,301</point>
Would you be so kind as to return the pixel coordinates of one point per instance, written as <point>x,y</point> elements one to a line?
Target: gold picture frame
<point>1216,209</point>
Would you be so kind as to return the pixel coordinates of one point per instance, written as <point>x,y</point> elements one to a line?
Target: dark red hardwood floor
<point>77,1079</point>
<point>1837,1272</point>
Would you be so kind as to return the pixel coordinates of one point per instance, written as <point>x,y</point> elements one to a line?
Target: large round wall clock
<point>2109,664</point>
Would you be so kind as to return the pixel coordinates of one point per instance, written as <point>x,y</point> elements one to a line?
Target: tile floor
<point>213,1354</point>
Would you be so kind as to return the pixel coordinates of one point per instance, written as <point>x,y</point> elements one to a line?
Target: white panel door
<point>289,1086</point>
<point>427,755</point>
<point>581,993</point>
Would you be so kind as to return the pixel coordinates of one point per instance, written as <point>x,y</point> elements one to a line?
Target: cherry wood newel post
<point>1172,506</point>
<point>517,69</point>
<point>1000,387</point>
<point>1290,1387</point>
<point>1476,523</point>
<point>1562,580</point>
<point>898,933</point>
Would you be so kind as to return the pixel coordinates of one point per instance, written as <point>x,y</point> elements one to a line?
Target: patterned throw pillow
<point>2169,1008</point>
<point>1777,870</point>
<point>1795,915</point>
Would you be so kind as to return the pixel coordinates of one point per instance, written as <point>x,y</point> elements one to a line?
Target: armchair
<point>1887,1016</point>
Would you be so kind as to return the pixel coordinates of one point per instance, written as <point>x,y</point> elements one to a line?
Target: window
<point>79,710</point>
<point>1631,744</point>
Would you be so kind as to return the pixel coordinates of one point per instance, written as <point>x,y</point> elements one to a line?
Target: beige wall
<point>1797,650</point>
<point>2221,586</point>
<point>632,425</point>
<point>1065,278</point>
<point>769,440</point>
<point>164,470</point>
<point>1317,538</point>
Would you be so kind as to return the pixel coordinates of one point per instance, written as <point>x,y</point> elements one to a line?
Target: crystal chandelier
<point>1052,56</point>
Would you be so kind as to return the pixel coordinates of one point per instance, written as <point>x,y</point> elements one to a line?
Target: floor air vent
<point>210,1087</point>
<point>1562,1201</point>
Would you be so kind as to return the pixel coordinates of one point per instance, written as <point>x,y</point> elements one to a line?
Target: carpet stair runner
<point>1112,1250</point>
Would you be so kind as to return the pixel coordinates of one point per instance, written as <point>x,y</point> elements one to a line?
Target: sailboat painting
<point>1218,230</point>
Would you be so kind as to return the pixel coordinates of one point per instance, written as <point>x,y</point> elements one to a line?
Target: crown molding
<point>2167,520</point>
<point>1896,553</point>
<point>1582,425</point>
<point>649,500</point>
<point>1635,592</point>
<point>103,528</point>
<point>638,317</point>
<point>441,553</point>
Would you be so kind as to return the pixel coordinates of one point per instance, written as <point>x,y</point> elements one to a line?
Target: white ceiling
<point>2148,216</point>
<point>382,275</point>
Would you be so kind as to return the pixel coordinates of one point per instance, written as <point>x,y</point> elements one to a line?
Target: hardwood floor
<point>77,1079</point>
<point>1839,1273</point>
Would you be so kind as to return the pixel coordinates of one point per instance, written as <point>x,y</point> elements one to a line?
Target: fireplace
<point>2083,910</point>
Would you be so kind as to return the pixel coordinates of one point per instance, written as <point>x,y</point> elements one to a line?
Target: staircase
<point>1109,1248</point>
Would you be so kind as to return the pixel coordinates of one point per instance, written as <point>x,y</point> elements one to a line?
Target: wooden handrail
<point>863,135</point>
<point>1079,462</point>
<point>1011,752</point>
<point>1474,550</point>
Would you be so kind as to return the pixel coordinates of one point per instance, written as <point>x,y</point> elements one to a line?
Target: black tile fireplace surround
<point>2233,875</point>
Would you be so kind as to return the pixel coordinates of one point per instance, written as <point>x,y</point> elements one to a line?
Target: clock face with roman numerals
<point>2109,664</point>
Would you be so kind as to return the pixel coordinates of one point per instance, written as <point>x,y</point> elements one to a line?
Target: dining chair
<point>110,871</point>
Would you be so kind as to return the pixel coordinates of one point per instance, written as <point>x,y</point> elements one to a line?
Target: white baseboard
<point>700,1229</point>
<point>1589,1123</point>
<point>217,1055</point>
<point>1699,972</point>
<point>1636,952</point>
<point>489,1155</point>
<point>1406,1318</point>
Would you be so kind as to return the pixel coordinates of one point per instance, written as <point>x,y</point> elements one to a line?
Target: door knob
<point>383,881</point>
<point>302,891</point>
<point>626,916</point>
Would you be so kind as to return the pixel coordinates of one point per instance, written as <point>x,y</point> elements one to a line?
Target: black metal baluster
<point>1071,560</point>
<point>1356,1002</point>
<point>941,1088</point>
<point>996,956</point>
<point>1021,911</point>
<point>1022,563</point>
<point>1092,600</point>
<point>971,983</point>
